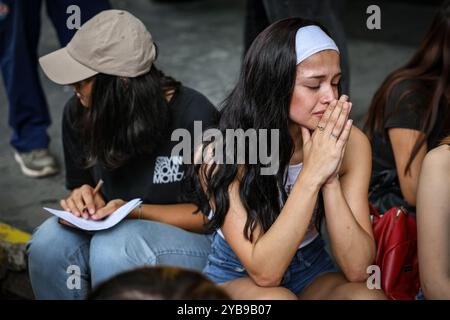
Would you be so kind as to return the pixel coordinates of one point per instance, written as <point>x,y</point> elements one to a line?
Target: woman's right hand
<point>83,198</point>
<point>323,150</point>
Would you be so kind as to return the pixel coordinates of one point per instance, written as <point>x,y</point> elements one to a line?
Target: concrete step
<point>14,281</point>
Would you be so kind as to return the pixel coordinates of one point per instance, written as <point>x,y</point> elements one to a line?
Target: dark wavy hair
<point>260,100</point>
<point>128,117</point>
<point>446,140</point>
<point>159,283</point>
<point>430,65</point>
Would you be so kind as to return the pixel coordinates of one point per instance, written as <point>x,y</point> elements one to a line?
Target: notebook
<point>95,225</point>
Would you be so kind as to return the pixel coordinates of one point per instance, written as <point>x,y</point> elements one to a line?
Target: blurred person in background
<point>29,118</point>
<point>409,115</point>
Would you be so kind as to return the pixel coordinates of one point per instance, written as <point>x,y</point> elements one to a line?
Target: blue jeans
<point>307,264</point>
<point>104,254</point>
<point>19,36</point>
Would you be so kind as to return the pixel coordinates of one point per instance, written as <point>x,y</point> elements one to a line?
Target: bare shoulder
<point>358,151</point>
<point>358,139</point>
<point>434,189</point>
<point>438,158</point>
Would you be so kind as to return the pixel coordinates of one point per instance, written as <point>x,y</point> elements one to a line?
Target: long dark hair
<point>446,140</point>
<point>159,283</point>
<point>431,66</point>
<point>128,117</point>
<point>260,100</point>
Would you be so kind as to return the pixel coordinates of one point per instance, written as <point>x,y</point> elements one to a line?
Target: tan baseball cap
<point>113,42</point>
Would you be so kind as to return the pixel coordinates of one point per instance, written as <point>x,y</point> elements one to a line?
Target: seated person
<point>117,128</point>
<point>267,218</point>
<point>433,223</point>
<point>410,115</point>
<point>159,283</point>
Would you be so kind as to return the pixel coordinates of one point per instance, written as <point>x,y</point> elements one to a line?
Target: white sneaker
<point>37,163</point>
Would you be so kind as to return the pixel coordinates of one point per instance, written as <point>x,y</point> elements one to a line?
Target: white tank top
<point>293,172</point>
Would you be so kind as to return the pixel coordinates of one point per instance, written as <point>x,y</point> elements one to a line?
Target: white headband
<point>310,40</point>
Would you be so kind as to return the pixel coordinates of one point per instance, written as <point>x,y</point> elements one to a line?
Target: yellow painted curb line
<point>13,235</point>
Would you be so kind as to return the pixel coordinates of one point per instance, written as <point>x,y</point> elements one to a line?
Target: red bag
<point>396,238</point>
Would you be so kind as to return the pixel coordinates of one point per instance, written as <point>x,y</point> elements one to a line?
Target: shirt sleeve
<point>76,175</point>
<point>405,108</point>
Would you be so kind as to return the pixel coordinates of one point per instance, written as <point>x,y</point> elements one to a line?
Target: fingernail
<point>91,211</point>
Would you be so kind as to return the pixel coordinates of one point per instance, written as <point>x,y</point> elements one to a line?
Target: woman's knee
<point>53,252</point>
<point>125,242</point>
<point>356,291</point>
<point>41,236</point>
<point>246,289</point>
<point>277,293</point>
<point>52,242</point>
<point>135,243</point>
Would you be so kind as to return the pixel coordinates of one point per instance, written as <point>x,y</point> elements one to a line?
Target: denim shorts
<point>307,264</point>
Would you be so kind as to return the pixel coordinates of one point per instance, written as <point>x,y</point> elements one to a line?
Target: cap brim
<point>61,68</point>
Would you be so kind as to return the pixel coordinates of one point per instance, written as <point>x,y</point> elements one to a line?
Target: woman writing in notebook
<point>117,128</point>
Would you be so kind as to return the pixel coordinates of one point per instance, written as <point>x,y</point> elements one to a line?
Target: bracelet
<point>139,211</point>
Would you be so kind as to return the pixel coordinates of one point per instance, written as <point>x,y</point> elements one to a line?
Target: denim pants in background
<point>53,248</point>
<point>307,264</point>
<point>20,25</point>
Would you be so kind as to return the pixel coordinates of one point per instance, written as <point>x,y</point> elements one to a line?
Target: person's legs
<point>135,243</point>
<point>246,289</point>
<point>57,12</point>
<point>55,253</point>
<point>334,286</point>
<point>322,286</point>
<point>356,291</point>
<point>28,113</point>
<point>224,268</point>
<point>313,276</point>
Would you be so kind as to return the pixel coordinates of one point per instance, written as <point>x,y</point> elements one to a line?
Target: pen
<point>96,189</point>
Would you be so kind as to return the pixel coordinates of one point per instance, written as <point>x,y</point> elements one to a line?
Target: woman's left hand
<point>108,209</point>
<point>334,178</point>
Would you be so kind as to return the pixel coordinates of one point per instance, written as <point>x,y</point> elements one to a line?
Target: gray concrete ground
<point>200,44</point>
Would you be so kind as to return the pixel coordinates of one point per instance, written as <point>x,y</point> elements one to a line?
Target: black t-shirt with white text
<point>154,178</point>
